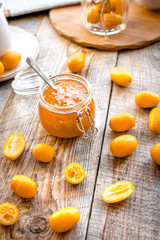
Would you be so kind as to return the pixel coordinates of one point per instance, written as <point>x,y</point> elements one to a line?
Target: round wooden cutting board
<point>143,28</point>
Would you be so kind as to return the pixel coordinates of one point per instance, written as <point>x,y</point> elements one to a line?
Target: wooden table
<point>133,219</point>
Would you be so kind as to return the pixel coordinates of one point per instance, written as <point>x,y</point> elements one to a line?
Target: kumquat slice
<point>74,173</point>
<point>14,146</point>
<point>117,192</point>
<point>8,214</point>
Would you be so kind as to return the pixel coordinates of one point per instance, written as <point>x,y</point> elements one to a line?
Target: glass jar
<point>105,17</point>
<point>68,122</point>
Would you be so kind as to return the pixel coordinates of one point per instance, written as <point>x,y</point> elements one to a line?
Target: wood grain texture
<point>139,216</point>
<point>143,29</point>
<point>30,23</point>
<point>134,219</point>
<point>20,115</point>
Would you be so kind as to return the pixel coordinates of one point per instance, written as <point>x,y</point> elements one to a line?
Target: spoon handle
<point>33,64</point>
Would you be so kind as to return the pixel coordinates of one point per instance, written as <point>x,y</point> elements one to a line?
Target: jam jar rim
<point>63,110</point>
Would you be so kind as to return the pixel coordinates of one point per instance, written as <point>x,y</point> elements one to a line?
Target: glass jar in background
<point>105,17</point>
<point>67,122</point>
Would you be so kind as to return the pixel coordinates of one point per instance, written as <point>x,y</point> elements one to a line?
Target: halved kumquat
<point>74,173</point>
<point>14,146</point>
<point>118,191</point>
<point>8,214</point>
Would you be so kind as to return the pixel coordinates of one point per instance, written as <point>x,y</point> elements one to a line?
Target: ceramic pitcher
<point>5,35</point>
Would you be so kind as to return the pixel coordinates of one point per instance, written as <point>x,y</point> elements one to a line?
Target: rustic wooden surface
<point>136,218</point>
<point>66,20</point>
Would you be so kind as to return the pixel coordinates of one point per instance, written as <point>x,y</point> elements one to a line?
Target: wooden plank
<point>138,217</point>
<point>20,115</point>
<point>30,23</point>
<point>5,90</point>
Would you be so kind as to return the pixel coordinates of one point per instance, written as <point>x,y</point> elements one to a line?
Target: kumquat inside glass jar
<point>105,17</point>
<point>70,111</point>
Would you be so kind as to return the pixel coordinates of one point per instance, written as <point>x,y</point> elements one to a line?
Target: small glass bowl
<point>26,82</point>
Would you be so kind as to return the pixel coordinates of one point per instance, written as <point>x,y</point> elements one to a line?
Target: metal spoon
<point>33,64</point>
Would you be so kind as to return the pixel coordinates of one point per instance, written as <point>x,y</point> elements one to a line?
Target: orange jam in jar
<point>70,111</point>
